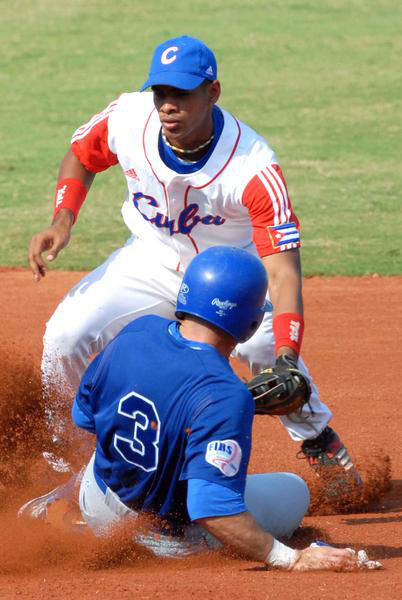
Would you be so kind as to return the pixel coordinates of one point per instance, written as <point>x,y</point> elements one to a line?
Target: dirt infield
<point>352,345</point>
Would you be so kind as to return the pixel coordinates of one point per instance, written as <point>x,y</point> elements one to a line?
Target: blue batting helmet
<point>225,286</point>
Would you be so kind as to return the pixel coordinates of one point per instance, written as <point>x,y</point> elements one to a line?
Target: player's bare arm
<point>285,286</point>
<point>284,280</point>
<point>240,533</point>
<point>72,168</point>
<point>57,236</point>
<point>243,534</point>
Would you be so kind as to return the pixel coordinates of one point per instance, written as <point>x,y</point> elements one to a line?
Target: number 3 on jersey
<point>141,449</point>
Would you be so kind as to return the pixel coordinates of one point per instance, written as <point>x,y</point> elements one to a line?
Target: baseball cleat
<point>37,508</point>
<point>327,449</point>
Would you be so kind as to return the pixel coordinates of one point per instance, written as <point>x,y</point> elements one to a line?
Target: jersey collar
<point>216,164</point>
<point>174,330</point>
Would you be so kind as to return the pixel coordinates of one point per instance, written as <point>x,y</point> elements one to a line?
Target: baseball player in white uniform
<point>196,177</point>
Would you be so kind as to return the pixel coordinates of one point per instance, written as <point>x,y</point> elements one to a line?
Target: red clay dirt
<point>353,349</point>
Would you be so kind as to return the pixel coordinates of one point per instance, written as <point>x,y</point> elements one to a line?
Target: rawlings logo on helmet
<point>223,306</point>
<point>184,289</point>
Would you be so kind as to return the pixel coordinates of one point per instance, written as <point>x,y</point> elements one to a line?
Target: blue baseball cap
<point>182,62</point>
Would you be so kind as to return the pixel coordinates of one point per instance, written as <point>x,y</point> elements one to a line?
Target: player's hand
<point>326,558</point>
<point>50,240</point>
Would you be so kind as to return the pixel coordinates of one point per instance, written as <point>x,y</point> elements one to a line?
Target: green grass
<point>321,81</point>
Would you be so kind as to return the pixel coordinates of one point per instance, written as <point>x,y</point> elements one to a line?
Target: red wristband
<point>70,193</point>
<point>288,331</point>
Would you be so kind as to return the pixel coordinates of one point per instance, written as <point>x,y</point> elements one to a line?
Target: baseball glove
<point>280,390</point>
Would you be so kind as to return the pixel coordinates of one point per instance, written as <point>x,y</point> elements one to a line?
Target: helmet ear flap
<point>226,287</point>
<point>254,325</point>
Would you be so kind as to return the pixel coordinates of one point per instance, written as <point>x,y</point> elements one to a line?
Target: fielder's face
<point>186,115</point>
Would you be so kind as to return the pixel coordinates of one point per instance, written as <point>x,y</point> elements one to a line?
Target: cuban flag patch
<point>282,235</point>
<point>225,455</point>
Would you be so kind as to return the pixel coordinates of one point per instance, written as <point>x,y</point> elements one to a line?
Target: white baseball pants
<point>277,501</point>
<point>132,283</point>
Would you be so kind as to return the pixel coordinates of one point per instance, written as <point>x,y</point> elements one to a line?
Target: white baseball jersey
<point>239,197</point>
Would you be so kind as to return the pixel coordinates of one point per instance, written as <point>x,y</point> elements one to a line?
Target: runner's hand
<point>325,558</point>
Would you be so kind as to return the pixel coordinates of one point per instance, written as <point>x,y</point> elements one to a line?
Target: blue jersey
<point>165,410</point>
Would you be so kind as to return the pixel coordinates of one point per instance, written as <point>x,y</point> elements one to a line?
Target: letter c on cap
<point>165,58</point>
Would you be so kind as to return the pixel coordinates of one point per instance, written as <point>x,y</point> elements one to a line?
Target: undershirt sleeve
<point>206,499</point>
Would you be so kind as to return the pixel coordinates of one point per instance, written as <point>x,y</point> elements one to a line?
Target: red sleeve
<point>90,143</point>
<point>275,226</point>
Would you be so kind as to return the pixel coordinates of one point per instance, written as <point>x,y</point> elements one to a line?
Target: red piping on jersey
<point>189,187</point>
<point>213,178</point>
<point>191,239</point>
<point>226,163</point>
<point>150,164</point>
<point>185,206</point>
